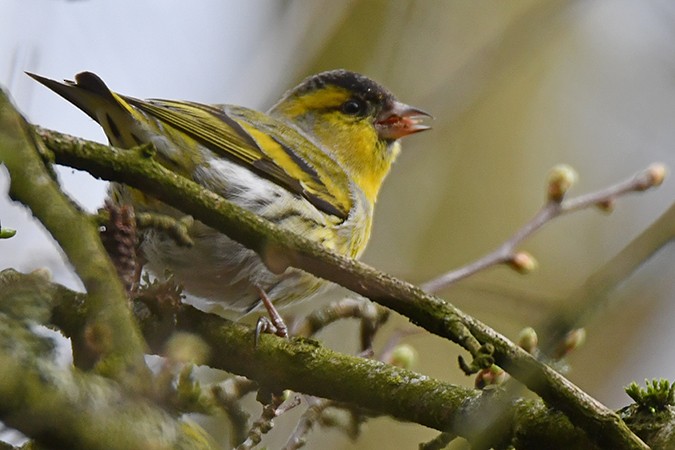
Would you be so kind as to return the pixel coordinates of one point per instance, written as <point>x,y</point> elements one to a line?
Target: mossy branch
<point>280,248</point>
<point>276,364</point>
<point>119,353</point>
<point>61,407</point>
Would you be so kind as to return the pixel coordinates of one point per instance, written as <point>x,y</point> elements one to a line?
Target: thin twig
<point>327,413</point>
<point>276,407</point>
<point>554,207</point>
<point>372,318</point>
<point>312,415</point>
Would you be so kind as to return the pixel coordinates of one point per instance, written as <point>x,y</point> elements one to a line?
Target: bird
<point>313,163</point>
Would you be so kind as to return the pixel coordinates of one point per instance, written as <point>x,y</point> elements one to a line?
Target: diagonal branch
<point>138,169</point>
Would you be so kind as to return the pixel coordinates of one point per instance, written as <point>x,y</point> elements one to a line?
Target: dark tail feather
<point>78,92</point>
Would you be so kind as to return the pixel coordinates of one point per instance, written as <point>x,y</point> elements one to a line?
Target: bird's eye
<point>354,107</point>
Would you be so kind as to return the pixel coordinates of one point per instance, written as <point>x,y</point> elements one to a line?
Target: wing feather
<point>268,147</point>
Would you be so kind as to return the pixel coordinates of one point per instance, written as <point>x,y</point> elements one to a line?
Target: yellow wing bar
<point>266,146</point>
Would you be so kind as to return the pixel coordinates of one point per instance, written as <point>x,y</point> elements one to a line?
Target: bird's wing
<point>268,147</point>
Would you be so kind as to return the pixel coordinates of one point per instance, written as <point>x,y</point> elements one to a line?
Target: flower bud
<point>404,356</point>
<point>493,375</point>
<point>528,340</point>
<point>560,180</point>
<point>573,340</point>
<point>523,262</point>
<point>652,177</point>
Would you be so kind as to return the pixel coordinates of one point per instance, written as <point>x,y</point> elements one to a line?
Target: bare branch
<point>276,407</point>
<point>560,180</point>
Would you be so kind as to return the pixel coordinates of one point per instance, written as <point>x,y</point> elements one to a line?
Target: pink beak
<point>400,120</point>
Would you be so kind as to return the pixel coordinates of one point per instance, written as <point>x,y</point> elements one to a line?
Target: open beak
<point>400,120</point>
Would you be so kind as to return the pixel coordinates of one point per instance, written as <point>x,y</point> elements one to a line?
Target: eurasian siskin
<point>314,164</point>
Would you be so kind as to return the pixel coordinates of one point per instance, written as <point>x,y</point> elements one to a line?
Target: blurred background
<point>515,88</point>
